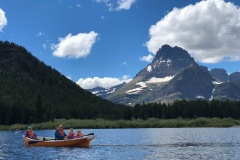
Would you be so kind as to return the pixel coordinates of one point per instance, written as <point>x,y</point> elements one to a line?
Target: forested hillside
<point>31,91</point>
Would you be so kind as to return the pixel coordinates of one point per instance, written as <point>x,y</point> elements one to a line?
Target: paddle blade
<point>89,134</point>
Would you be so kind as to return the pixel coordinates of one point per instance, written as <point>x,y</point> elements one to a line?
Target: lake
<point>133,144</point>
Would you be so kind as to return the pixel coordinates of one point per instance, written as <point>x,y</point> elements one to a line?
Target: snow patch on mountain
<point>134,91</point>
<point>138,89</point>
<point>200,97</point>
<point>159,80</point>
<point>149,68</point>
<point>96,92</point>
<point>110,92</point>
<point>217,82</point>
<point>212,95</point>
<point>142,84</point>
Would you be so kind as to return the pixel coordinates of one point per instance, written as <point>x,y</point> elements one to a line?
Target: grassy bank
<point>149,123</point>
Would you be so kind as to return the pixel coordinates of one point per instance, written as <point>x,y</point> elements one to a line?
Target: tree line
<point>32,92</point>
<point>188,109</point>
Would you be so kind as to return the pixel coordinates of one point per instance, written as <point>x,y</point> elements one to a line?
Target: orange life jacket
<point>79,135</point>
<point>61,131</point>
<point>31,134</point>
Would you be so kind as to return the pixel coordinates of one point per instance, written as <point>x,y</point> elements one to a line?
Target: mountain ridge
<point>159,81</point>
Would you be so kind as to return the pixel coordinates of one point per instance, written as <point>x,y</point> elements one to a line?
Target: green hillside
<point>31,91</point>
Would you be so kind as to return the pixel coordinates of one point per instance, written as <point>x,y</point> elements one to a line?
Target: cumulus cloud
<point>148,58</point>
<point>3,20</point>
<point>117,6</point>
<point>106,82</point>
<point>75,46</point>
<point>209,30</point>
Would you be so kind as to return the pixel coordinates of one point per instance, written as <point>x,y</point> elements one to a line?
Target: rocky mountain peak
<point>234,77</point>
<point>220,74</point>
<point>168,52</point>
<point>169,61</point>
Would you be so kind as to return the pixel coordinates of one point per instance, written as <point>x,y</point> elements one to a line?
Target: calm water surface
<point>134,144</point>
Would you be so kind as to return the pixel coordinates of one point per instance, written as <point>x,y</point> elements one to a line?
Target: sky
<point>106,42</point>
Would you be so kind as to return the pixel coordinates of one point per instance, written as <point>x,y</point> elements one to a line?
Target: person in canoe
<point>79,134</point>
<point>59,133</point>
<point>30,134</point>
<point>70,134</point>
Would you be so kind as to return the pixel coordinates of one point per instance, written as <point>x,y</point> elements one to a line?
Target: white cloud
<point>69,77</point>
<point>44,46</point>
<point>3,20</point>
<point>209,30</point>
<point>148,58</point>
<point>40,34</point>
<point>124,4</point>
<point>102,1</point>
<point>75,46</point>
<point>117,6</point>
<point>78,5</point>
<point>125,63</point>
<point>106,82</point>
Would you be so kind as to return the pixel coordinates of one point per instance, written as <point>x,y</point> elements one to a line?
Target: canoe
<point>51,142</point>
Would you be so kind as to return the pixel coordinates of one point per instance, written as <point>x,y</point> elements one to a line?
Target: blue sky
<point>106,42</point>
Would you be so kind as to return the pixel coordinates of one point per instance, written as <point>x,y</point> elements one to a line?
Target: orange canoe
<point>51,142</point>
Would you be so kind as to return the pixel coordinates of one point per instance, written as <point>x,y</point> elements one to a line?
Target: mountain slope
<point>219,74</point>
<point>104,92</point>
<point>192,83</point>
<point>169,62</point>
<point>173,74</point>
<point>33,92</point>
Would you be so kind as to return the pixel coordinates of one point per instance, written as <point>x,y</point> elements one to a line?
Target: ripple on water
<point>118,144</point>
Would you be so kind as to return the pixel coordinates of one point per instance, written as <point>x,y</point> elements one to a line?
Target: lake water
<point>133,144</point>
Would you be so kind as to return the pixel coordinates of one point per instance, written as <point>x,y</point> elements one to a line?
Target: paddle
<point>39,140</point>
<point>34,141</point>
<point>89,134</point>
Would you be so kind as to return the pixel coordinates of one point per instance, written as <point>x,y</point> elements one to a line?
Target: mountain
<point>173,74</point>
<point>229,90</point>
<point>34,92</point>
<point>192,83</point>
<point>234,77</point>
<point>220,74</point>
<point>168,62</point>
<point>104,92</point>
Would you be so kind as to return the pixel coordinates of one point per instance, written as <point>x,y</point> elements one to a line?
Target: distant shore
<point>138,123</point>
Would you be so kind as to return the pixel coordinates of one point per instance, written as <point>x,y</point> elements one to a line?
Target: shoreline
<point>136,123</point>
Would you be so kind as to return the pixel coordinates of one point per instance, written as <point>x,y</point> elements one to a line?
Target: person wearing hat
<point>59,133</point>
<point>30,134</point>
